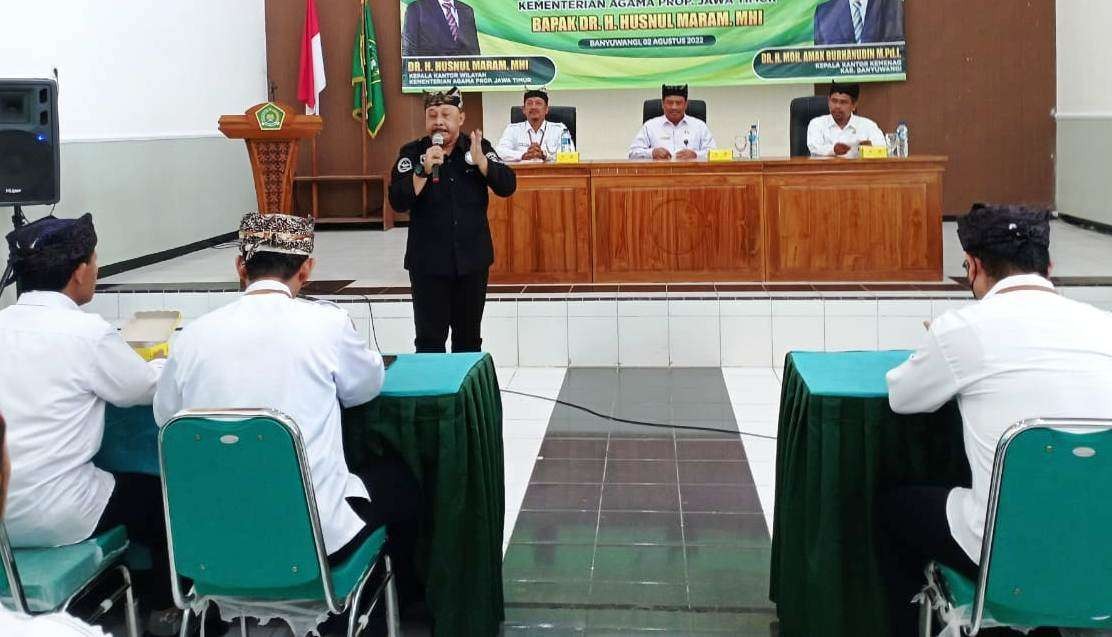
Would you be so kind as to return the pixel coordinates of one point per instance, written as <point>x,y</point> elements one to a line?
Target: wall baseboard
<point>1095,226</point>
<point>165,255</point>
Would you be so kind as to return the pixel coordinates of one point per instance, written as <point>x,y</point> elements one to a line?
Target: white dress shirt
<point>52,625</point>
<point>518,137</point>
<point>1011,356</point>
<point>303,358</point>
<point>690,133</point>
<point>58,367</point>
<point>823,133</point>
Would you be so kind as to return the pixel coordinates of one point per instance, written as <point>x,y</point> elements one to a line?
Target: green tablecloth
<point>839,443</point>
<point>443,414</point>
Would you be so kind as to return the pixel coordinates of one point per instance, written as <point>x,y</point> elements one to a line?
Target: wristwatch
<point>419,168</point>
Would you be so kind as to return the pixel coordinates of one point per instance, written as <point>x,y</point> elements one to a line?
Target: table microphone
<point>437,140</point>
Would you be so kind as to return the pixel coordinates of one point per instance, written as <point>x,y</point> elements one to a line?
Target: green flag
<point>366,79</point>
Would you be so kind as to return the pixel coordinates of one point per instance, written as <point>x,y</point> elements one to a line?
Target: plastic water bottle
<point>754,140</point>
<point>901,140</point>
<point>565,141</point>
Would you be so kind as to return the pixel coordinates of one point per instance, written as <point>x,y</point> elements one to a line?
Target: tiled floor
<point>374,258</point>
<point>627,529</point>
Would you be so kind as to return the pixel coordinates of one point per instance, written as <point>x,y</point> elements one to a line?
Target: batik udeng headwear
<point>536,92</point>
<point>284,234</point>
<point>47,243</point>
<point>451,97</point>
<point>1003,230</point>
<point>673,89</point>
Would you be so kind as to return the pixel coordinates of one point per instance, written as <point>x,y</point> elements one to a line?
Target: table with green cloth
<point>442,413</point>
<point>838,445</point>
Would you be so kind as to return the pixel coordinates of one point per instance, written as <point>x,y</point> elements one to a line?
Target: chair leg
<point>926,615</point>
<point>186,615</point>
<point>130,608</point>
<point>392,621</point>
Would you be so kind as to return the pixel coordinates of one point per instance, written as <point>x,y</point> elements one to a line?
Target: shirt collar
<point>1019,280</point>
<point>683,120</point>
<point>41,298</point>
<point>854,120</point>
<point>268,285</point>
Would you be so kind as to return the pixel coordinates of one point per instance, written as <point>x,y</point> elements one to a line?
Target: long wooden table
<point>768,220</point>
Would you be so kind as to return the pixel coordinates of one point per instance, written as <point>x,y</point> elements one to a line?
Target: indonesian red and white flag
<point>311,75</point>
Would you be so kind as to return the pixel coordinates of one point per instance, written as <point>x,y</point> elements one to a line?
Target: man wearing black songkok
<point>59,366</point>
<point>1021,351</point>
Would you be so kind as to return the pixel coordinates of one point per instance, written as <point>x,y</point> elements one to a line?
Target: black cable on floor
<point>641,423</point>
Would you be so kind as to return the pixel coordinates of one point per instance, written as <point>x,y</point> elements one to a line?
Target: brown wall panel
<point>338,146</point>
<point>980,89</point>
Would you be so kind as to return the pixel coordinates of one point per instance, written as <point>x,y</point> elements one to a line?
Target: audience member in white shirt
<point>271,349</point>
<point>842,132</point>
<point>536,138</point>
<point>675,134</point>
<point>1022,351</point>
<point>13,623</point>
<point>58,368</point>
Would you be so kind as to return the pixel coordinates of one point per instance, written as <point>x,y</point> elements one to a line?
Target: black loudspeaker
<point>29,166</point>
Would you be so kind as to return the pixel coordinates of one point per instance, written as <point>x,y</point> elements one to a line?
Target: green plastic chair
<point>1046,559</point>
<point>35,581</point>
<point>241,518</point>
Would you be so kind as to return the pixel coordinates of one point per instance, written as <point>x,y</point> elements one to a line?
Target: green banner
<point>586,44</point>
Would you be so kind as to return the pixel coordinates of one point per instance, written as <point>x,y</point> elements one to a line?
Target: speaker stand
<point>18,219</point>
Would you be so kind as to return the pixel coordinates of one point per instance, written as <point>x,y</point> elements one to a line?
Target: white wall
<point>608,120</point>
<point>141,86</point>
<point>1084,110</point>
<point>139,68</point>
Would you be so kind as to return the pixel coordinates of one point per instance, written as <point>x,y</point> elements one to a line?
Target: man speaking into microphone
<point>442,180</point>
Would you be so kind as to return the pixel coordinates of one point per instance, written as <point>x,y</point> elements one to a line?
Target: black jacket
<point>426,30</point>
<point>884,22</point>
<point>448,230</point>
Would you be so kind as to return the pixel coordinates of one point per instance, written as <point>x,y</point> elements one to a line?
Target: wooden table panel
<point>774,219</point>
<point>677,228</point>
<point>854,226</point>
<point>542,232</point>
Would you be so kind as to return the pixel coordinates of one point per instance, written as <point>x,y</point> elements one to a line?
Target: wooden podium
<point>273,132</point>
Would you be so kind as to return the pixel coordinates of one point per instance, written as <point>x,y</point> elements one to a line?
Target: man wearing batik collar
<point>304,358</point>
<point>449,251</point>
<point>536,138</point>
<point>1021,351</point>
<point>59,367</point>
<point>675,134</point>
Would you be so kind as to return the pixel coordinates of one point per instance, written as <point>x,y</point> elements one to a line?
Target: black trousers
<point>395,502</point>
<point>136,503</point>
<point>914,531</point>
<point>440,302</point>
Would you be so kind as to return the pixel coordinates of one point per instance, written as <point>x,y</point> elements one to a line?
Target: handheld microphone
<point>437,140</point>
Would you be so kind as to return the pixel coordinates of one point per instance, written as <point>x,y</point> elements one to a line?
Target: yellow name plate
<point>873,152</point>
<point>720,154</point>
<point>567,158</point>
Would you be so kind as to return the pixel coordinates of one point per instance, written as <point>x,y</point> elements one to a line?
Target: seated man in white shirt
<point>536,138</point>
<point>59,366</point>
<point>1022,351</point>
<point>843,131</point>
<point>675,134</point>
<point>12,623</point>
<point>271,349</point>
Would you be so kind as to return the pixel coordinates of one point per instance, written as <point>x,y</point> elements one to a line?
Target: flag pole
<point>363,133</point>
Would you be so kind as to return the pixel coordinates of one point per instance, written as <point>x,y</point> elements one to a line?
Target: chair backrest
<point>802,111</point>
<point>1046,559</point>
<point>241,513</point>
<point>655,108</point>
<point>563,114</point>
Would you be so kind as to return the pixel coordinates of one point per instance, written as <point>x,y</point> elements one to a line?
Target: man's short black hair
<point>263,265</point>
<point>51,279</point>
<point>853,90</point>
